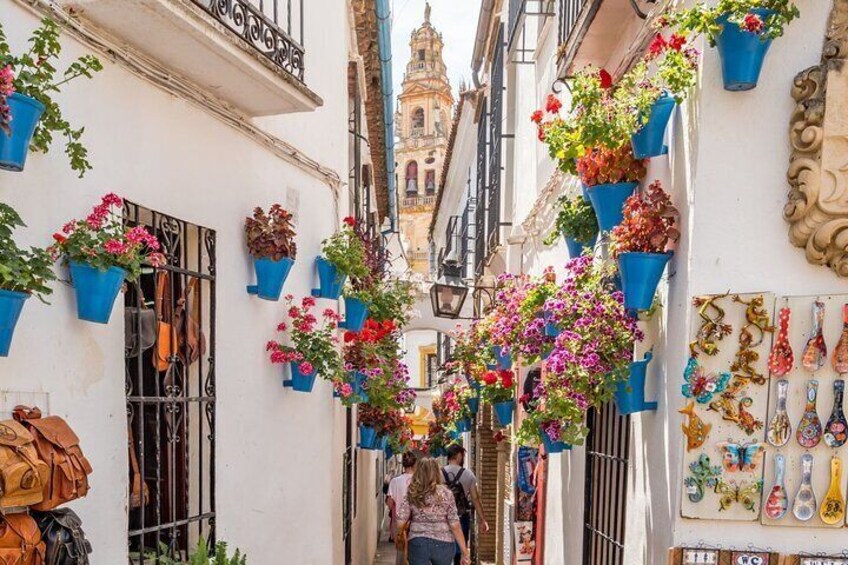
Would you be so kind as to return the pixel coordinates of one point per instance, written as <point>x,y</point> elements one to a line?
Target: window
<point>412,178</point>
<point>430,181</point>
<point>432,369</point>
<point>605,497</point>
<point>422,54</point>
<point>417,122</point>
<point>171,394</point>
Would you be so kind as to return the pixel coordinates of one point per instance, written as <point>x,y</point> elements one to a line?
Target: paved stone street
<point>385,554</point>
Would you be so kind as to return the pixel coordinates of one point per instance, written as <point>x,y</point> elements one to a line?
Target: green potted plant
<point>343,257</point>
<point>643,244</point>
<point>313,350</point>
<point>102,252</point>
<point>270,241</point>
<point>741,29</point>
<point>22,274</point>
<point>29,116</point>
<point>576,223</point>
<point>498,389</point>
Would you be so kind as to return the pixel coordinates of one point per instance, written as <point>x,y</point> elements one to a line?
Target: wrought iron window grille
<point>522,49</point>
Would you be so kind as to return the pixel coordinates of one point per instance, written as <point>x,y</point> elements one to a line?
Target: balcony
<point>416,201</point>
<point>247,52</point>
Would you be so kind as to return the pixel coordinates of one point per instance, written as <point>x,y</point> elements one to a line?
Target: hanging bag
<point>192,342</point>
<point>20,540</point>
<point>23,474</point>
<point>58,447</point>
<point>65,541</point>
<point>166,338</point>
<point>139,327</point>
<point>139,492</point>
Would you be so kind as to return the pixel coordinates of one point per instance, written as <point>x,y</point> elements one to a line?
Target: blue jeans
<point>426,551</point>
<point>465,524</point>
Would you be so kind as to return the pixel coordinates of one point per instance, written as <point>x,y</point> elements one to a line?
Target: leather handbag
<point>20,540</point>
<point>139,327</point>
<point>65,541</point>
<point>139,492</point>
<point>23,474</point>
<point>166,338</point>
<point>192,342</point>
<point>58,446</point>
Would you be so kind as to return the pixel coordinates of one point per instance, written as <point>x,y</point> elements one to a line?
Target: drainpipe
<point>384,40</point>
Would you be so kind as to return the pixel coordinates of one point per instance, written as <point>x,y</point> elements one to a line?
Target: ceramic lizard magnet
<point>777,502</point>
<point>809,431</point>
<point>780,428</point>
<point>832,510</point>
<point>836,430</point>
<point>713,329</point>
<point>804,506</point>
<point>704,475</point>
<point>782,358</point>
<point>815,352</point>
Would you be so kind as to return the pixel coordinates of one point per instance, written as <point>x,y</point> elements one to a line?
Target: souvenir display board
<point>725,404</point>
<point>705,556</point>
<point>814,560</point>
<point>804,485</point>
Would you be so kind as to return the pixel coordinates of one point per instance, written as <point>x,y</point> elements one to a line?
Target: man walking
<point>397,493</point>
<point>463,484</point>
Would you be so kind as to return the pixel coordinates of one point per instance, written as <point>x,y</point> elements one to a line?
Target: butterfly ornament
<point>701,386</point>
<point>741,457</point>
<point>744,493</point>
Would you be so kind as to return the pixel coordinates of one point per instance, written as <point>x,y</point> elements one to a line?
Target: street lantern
<point>447,294</point>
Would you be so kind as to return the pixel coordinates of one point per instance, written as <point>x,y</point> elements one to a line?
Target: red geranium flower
<point>677,41</point>
<point>350,221</point>
<point>553,104</point>
<point>658,45</point>
<point>753,23</point>
<point>606,79</point>
<point>536,117</point>
<point>490,377</point>
<point>507,379</point>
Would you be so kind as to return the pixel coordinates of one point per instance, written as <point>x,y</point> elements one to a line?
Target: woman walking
<point>428,515</point>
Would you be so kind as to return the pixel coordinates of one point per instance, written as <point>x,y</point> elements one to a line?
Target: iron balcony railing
<point>273,28</point>
<point>413,201</point>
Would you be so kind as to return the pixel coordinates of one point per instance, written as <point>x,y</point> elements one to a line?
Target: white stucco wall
<point>279,486</point>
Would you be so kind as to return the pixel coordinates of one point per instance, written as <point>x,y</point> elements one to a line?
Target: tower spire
<point>427,12</point>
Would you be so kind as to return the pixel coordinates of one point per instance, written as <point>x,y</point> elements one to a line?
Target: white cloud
<point>456,20</point>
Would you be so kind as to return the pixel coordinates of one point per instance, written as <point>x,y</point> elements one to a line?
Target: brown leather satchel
<point>20,541</point>
<point>23,475</point>
<point>166,334</point>
<point>192,342</point>
<point>58,446</point>
<point>139,492</point>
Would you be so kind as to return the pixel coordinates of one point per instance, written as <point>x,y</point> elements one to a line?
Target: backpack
<point>462,505</point>
<point>23,475</point>
<point>62,532</point>
<point>20,541</point>
<point>58,446</point>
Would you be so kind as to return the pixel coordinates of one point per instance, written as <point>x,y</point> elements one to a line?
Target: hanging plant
<point>600,166</point>
<point>31,112</point>
<point>575,221</point>
<point>271,235</point>
<point>346,251</point>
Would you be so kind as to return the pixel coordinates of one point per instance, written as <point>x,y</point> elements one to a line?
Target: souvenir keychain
<point>835,431</point>
<point>782,358</point>
<point>780,428</point>
<point>805,501</point>
<point>777,502</point>
<point>832,510</point>
<point>815,352</point>
<point>704,475</point>
<point>840,353</point>
<point>809,432</point>
<point>696,431</point>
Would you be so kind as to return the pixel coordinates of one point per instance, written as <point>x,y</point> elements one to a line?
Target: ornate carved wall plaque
<point>817,210</point>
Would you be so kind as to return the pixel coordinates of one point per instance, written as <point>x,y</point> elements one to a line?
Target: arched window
<point>412,178</point>
<point>418,122</point>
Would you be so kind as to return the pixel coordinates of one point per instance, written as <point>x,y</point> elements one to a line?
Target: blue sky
<point>457,22</point>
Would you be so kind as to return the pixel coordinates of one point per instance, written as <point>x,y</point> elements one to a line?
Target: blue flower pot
<point>503,410</point>
<point>330,280</point>
<point>575,248</point>
<point>270,277</point>
<point>438,452</point>
<point>552,446</point>
<point>630,394</point>
<point>96,291</point>
<point>389,452</point>
<point>382,442</point>
<point>11,304</point>
<point>640,275</point>
<point>14,147</point>
<point>356,312</point>
<point>502,360</point>
<point>742,53</point>
<point>608,201</point>
<point>648,141</point>
<point>551,330</point>
<point>473,404</point>
<point>357,380</point>
<point>299,381</point>
<point>463,425</point>
<point>472,382</point>
<point>367,437</point>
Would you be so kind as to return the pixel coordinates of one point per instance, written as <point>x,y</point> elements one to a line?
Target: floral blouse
<point>434,520</point>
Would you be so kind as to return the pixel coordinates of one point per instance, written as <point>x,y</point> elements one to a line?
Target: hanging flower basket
<point>358,379</point>
<point>640,275</point>
<point>648,141</point>
<point>389,452</point>
<point>474,403</point>
<point>503,411</point>
<point>367,437</point>
<point>630,394</point>
<point>552,446</point>
<point>270,277</point>
<point>463,425</point>
<point>331,282</point>
<point>742,52</point>
<point>575,248</point>
<point>11,304</point>
<point>96,291</point>
<point>502,360</point>
<point>300,381</point>
<point>608,200</point>
<point>14,146</point>
<point>551,329</point>
<point>356,312</point>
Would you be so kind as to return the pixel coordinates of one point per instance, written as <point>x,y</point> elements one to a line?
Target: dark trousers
<point>465,523</point>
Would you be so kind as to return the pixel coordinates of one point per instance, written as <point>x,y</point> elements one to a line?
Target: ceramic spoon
<point>840,354</point>
<point>815,352</point>
<point>833,506</point>
<point>781,359</point>
<point>777,502</point>
<point>780,428</point>
<point>835,431</point>
<point>809,432</point>
<point>805,501</point>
